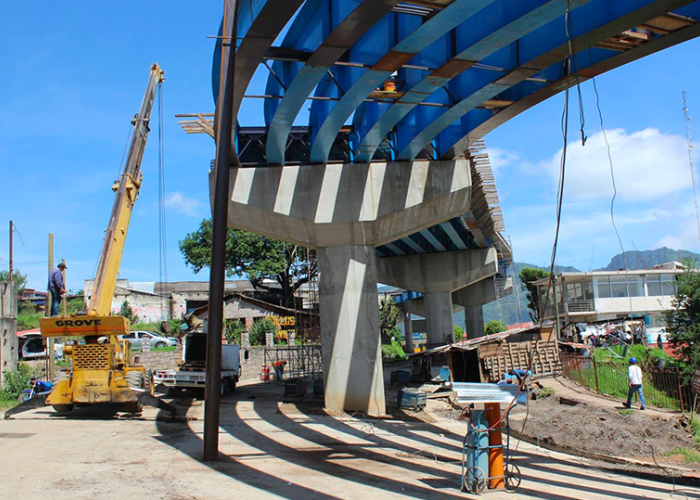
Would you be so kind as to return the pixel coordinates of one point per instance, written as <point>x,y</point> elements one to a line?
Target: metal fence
<point>662,388</point>
<point>302,361</point>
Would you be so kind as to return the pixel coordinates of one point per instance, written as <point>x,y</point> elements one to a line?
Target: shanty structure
<point>487,359</point>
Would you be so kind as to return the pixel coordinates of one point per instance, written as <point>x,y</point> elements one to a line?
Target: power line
<point>689,139</point>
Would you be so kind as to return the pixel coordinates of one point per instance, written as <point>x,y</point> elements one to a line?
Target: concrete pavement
<point>274,449</point>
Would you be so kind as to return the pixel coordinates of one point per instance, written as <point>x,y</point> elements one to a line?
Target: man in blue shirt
<point>56,287</point>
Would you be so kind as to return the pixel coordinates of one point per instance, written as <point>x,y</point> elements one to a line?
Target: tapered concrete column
<point>408,326</point>
<point>345,211</point>
<point>438,315</point>
<point>473,298</point>
<point>352,364</point>
<point>474,319</point>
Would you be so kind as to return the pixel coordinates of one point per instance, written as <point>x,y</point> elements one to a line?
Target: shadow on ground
<point>347,448</point>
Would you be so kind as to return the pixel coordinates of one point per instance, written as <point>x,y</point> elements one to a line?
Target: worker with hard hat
<point>635,383</point>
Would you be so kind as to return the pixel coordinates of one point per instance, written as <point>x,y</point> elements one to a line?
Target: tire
<point>160,345</point>
<point>149,381</point>
<point>23,397</point>
<point>62,409</point>
<point>513,477</point>
<point>474,480</point>
<point>136,379</point>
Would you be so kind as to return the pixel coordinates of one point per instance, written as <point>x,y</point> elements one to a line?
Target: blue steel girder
<point>493,28</point>
<point>337,41</point>
<point>383,66</point>
<point>547,46</point>
<point>588,62</point>
<point>462,70</point>
<point>259,22</point>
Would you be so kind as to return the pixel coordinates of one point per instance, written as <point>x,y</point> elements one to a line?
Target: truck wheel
<point>135,379</point>
<point>63,408</point>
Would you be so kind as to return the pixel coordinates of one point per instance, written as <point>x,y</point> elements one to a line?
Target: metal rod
<point>212,394</point>
<point>47,310</point>
<point>10,278</point>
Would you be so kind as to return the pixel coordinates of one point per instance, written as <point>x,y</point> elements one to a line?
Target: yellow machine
<point>102,369</point>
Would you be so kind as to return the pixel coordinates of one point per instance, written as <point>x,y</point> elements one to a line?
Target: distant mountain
<point>648,258</point>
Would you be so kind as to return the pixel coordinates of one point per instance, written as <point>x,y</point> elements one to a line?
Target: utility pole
<point>63,277</point>
<point>224,153</point>
<point>11,228</point>
<point>49,356</point>
<point>689,139</point>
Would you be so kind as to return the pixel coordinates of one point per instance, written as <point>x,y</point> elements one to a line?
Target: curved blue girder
<point>462,67</point>
<point>493,29</point>
<point>422,36</point>
<point>344,27</point>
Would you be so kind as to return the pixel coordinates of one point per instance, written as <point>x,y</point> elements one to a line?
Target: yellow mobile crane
<point>102,368</point>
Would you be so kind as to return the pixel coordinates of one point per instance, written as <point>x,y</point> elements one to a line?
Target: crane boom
<point>127,191</point>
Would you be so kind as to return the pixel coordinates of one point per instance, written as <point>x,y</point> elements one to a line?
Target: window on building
<point>661,285</point>
<point>620,286</point>
<point>604,287</point>
<point>668,285</point>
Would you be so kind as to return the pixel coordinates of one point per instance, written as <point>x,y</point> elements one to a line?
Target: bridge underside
<point>387,162</point>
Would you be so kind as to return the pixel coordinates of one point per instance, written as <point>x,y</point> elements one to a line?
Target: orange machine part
<point>493,414</point>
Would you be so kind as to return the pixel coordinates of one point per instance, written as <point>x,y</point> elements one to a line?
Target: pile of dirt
<point>606,431</point>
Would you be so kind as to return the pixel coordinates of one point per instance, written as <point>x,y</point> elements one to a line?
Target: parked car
<point>34,346</point>
<point>138,337</point>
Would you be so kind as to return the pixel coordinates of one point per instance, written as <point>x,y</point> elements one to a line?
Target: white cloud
<point>182,204</point>
<point>501,157</point>
<point>648,164</point>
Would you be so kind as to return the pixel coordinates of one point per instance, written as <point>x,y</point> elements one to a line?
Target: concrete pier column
<point>474,319</point>
<point>438,309</point>
<point>352,364</point>
<point>408,326</point>
<point>472,298</point>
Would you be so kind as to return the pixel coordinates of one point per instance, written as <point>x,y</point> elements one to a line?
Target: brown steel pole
<point>47,310</point>
<point>217,278</point>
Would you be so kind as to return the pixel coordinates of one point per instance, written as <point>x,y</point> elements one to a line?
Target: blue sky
<point>73,75</point>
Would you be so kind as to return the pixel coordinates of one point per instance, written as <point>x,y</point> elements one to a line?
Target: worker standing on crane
<point>57,287</point>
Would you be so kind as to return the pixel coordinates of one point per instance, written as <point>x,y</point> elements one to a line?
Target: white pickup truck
<point>191,373</point>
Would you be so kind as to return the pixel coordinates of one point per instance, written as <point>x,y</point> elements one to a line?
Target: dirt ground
<point>604,430</point>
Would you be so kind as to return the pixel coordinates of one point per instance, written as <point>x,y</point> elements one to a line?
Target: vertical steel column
<point>224,108</point>
<point>10,278</point>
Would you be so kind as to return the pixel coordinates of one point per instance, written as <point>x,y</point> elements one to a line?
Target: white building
<point>609,295</point>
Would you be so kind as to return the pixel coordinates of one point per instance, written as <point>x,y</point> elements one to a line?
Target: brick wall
<point>161,360</point>
<point>251,367</point>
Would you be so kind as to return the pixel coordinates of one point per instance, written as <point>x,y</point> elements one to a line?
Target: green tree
<point>459,333</point>
<point>257,257</point>
<point>495,326</point>
<point>18,278</point>
<point>257,331</point>
<point>389,315</point>
<point>683,321</point>
<point>528,276</point>
<point>234,327</point>
<point>128,313</point>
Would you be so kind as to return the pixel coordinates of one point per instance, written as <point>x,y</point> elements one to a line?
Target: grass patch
<point>162,349</point>
<point>626,412</point>
<point>688,454</point>
<point>7,400</point>
<point>545,392</point>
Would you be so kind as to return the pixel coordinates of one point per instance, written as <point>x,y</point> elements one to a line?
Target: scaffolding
<point>301,361</point>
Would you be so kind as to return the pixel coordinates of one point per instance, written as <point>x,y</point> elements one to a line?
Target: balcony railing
<point>572,307</point>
